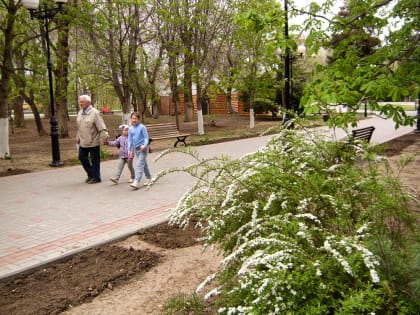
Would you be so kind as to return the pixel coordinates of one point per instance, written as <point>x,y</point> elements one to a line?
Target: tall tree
<point>210,20</point>
<point>185,12</point>
<point>116,37</point>
<point>369,71</point>
<point>8,13</point>
<point>29,77</point>
<point>168,25</point>
<point>257,34</point>
<point>62,70</point>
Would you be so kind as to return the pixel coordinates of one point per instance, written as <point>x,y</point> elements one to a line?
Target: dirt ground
<point>139,274</point>
<point>31,152</point>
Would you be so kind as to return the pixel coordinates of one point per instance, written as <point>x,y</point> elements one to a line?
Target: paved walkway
<point>49,215</point>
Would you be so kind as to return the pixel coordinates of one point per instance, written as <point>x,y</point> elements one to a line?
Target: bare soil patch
<point>136,275</point>
<point>55,288</point>
<point>403,145</point>
<point>171,257</point>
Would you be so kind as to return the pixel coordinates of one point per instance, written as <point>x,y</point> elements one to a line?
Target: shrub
<point>303,233</point>
<point>104,154</point>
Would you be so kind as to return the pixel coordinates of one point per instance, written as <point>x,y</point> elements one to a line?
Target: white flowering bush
<point>301,233</point>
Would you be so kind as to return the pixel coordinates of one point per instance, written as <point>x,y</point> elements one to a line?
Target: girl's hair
<point>124,126</point>
<point>137,114</point>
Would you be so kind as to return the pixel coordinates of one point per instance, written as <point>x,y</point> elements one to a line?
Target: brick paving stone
<point>61,215</point>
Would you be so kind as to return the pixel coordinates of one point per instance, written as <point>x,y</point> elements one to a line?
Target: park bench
<point>166,131</point>
<point>361,134</point>
<point>162,131</point>
<point>357,135</point>
<point>106,111</point>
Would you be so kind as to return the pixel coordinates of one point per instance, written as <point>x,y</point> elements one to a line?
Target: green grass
<point>408,107</point>
<point>184,304</point>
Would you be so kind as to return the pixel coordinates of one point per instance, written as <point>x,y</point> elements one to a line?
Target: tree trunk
<point>188,99</point>
<point>37,117</point>
<point>188,73</point>
<point>126,105</point>
<point>19,80</point>
<point>176,103</point>
<point>61,77</point>
<point>173,79</point>
<point>230,86</point>
<point>19,119</point>
<point>251,108</point>
<point>154,97</point>
<point>124,94</point>
<point>132,75</point>
<point>6,70</point>
<point>229,101</point>
<point>155,109</point>
<point>200,121</point>
<point>21,85</point>
<point>252,92</point>
<point>251,118</point>
<point>229,91</point>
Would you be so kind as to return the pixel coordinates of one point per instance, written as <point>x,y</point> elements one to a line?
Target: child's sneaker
<point>130,180</point>
<point>135,184</point>
<point>114,180</point>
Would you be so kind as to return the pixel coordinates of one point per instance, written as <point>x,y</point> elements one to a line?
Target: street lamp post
<point>300,53</point>
<point>286,65</point>
<point>45,15</point>
<point>288,60</point>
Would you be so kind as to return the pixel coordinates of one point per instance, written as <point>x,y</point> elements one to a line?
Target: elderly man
<point>91,132</point>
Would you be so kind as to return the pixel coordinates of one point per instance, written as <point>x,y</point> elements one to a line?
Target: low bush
<point>305,232</point>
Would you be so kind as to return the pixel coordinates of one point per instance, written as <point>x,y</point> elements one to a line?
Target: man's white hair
<point>86,98</point>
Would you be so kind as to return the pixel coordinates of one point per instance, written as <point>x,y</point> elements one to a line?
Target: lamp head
<point>34,4</point>
<point>30,4</point>
<point>301,50</point>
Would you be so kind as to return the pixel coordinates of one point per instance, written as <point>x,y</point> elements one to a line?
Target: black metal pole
<point>286,66</point>
<point>53,120</point>
<point>291,59</point>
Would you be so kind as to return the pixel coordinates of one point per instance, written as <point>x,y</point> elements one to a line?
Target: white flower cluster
<point>308,216</point>
<point>240,310</point>
<point>276,215</point>
<point>273,197</point>
<point>303,204</point>
<point>336,254</point>
<point>369,259</point>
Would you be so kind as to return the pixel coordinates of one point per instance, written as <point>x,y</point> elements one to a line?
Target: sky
<point>305,3</point>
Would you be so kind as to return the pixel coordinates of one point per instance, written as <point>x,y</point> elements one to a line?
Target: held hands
<point>130,155</point>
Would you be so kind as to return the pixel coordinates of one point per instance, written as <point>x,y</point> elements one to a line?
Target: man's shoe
<point>135,185</point>
<point>148,181</point>
<point>114,180</point>
<point>88,179</point>
<point>94,181</point>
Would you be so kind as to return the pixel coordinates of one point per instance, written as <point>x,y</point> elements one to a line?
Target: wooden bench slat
<point>166,131</point>
<point>364,134</point>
